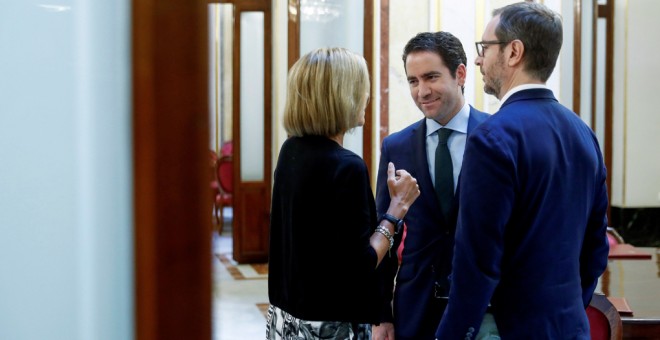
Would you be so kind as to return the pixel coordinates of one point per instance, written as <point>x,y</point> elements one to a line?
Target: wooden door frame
<point>172,198</point>
<point>607,12</point>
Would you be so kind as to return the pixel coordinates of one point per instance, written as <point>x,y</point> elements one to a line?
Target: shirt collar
<point>522,87</point>
<point>458,123</point>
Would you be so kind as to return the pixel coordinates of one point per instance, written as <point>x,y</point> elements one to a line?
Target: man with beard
<point>531,234</point>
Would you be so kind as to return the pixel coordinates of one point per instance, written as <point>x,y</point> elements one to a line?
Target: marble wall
<point>637,226</point>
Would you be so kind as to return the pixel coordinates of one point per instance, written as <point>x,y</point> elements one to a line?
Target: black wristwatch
<point>398,223</point>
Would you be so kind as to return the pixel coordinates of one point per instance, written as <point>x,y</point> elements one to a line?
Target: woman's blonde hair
<point>326,93</point>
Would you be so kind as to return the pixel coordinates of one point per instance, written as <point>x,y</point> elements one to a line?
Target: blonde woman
<point>326,241</point>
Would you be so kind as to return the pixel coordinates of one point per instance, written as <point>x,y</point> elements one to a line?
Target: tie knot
<point>443,135</point>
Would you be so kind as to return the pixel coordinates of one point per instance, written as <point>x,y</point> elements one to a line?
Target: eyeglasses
<point>481,44</point>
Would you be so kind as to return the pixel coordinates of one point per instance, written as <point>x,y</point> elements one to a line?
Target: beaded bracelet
<point>383,230</point>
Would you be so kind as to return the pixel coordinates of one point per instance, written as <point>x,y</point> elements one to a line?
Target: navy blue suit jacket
<point>531,233</point>
<point>429,241</point>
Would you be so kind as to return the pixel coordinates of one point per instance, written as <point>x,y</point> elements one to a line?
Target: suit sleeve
<point>593,257</point>
<point>388,267</point>
<point>486,200</point>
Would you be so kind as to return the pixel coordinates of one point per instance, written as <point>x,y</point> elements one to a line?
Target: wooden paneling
<point>171,193</point>
<point>293,35</point>
<point>384,51</point>
<point>368,43</point>
<point>251,223</point>
<point>577,54</point>
<point>608,12</point>
<point>641,329</point>
<point>251,237</point>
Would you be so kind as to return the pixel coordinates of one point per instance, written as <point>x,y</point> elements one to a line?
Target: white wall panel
<point>641,119</point>
<point>65,180</point>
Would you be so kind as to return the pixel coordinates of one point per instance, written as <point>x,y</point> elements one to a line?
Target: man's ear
<point>461,74</point>
<point>516,52</point>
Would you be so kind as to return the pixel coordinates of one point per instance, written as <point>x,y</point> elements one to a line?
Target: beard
<point>493,87</point>
<point>493,81</point>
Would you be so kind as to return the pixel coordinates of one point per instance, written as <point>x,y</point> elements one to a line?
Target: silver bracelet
<point>383,230</point>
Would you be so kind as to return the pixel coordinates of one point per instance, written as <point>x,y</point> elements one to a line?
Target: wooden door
<point>251,128</point>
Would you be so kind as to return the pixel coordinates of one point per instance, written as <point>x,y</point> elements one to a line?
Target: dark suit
<point>531,233</point>
<point>429,240</point>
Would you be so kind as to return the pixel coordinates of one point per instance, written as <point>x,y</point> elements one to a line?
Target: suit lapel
<point>472,121</point>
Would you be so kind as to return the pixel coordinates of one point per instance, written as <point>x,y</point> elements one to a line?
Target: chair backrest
<point>227,149</point>
<point>613,237</point>
<point>604,319</point>
<point>225,172</point>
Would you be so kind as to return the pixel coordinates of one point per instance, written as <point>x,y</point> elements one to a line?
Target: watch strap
<point>398,223</point>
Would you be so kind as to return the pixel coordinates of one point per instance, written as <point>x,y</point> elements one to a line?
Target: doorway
<point>240,114</point>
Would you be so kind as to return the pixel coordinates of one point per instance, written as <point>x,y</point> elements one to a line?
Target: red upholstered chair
<point>225,180</point>
<point>227,149</point>
<point>214,185</point>
<point>604,319</point>
<point>613,237</point>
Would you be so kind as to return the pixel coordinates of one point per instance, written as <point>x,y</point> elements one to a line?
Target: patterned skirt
<point>281,325</point>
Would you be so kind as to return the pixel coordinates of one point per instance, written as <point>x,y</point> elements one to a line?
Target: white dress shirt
<point>456,141</point>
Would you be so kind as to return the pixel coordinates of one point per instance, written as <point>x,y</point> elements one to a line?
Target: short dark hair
<point>540,31</point>
<point>445,44</point>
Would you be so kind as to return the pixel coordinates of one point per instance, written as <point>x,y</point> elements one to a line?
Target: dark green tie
<point>444,172</point>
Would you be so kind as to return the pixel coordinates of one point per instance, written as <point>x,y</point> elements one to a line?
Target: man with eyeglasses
<point>531,234</point>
